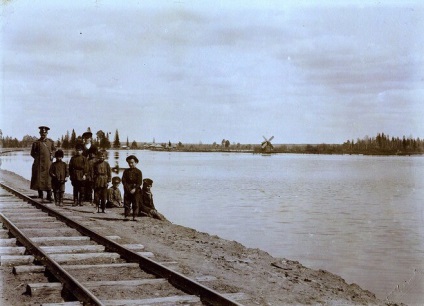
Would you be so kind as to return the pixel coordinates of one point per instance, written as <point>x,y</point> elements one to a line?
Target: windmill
<point>266,145</point>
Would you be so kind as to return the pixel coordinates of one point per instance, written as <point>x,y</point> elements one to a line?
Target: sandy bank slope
<point>235,268</point>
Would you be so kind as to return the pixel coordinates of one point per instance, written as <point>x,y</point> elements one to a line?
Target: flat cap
<point>148,181</point>
<point>116,179</point>
<point>87,135</point>
<point>132,157</point>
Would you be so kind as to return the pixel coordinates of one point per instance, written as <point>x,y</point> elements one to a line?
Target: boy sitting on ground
<point>114,197</point>
<point>147,207</point>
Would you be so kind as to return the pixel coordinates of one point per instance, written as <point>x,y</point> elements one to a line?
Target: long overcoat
<point>42,151</point>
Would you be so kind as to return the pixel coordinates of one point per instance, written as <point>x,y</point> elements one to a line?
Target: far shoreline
<point>4,151</point>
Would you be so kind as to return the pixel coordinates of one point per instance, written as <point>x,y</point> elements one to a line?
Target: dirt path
<point>265,279</point>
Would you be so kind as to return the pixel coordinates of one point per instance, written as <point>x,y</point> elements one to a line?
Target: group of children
<point>95,172</point>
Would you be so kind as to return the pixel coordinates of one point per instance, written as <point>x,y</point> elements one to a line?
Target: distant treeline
<point>384,145</point>
<point>380,145</point>
<point>67,141</point>
<point>9,142</point>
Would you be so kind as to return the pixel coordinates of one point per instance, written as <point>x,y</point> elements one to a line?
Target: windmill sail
<point>267,145</point>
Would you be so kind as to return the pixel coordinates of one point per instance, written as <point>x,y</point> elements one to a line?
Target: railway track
<point>81,267</point>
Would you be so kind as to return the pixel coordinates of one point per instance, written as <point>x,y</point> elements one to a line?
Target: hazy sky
<point>205,71</point>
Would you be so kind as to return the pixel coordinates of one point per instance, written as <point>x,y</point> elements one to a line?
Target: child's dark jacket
<point>59,171</point>
<point>114,196</point>
<point>102,174</point>
<point>132,178</point>
<point>78,167</point>
<point>147,204</point>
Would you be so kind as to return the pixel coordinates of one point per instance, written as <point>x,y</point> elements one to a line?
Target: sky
<point>203,71</point>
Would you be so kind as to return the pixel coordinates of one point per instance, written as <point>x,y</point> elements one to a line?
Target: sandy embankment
<point>265,279</point>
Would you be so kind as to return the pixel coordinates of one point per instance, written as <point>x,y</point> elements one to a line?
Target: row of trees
<point>9,142</point>
<point>385,145</point>
<point>100,139</point>
<point>70,140</point>
<point>381,144</point>
<point>67,141</point>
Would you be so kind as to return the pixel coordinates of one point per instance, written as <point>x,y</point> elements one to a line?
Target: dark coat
<point>59,171</point>
<point>146,204</point>
<point>42,152</point>
<point>114,197</point>
<point>147,207</point>
<point>78,167</point>
<point>132,178</point>
<point>91,162</point>
<point>101,174</point>
<point>93,149</point>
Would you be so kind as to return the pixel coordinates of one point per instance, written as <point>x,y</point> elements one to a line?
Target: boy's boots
<point>75,198</point>
<point>60,196</point>
<point>49,196</point>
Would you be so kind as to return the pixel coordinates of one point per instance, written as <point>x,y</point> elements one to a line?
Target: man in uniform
<point>42,151</point>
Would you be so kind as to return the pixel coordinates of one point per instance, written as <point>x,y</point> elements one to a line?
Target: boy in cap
<point>147,207</point>
<point>42,152</point>
<point>132,179</point>
<point>114,197</point>
<point>101,174</point>
<point>78,171</point>
<point>58,172</point>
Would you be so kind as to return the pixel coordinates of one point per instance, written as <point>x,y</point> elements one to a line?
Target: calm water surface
<point>360,217</point>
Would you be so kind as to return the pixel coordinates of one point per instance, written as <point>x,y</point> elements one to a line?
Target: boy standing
<point>147,207</point>
<point>114,197</point>
<point>58,172</point>
<point>78,170</point>
<point>101,174</point>
<point>132,179</point>
<point>89,182</point>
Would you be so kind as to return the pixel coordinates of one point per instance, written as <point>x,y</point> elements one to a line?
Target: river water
<point>360,217</point>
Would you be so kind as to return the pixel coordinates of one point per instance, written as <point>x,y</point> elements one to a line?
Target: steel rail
<point>178,280</point>
<point>69,282</point>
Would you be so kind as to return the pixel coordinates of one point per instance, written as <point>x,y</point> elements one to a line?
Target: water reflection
<point>116,168</point>
<point>359,217</point>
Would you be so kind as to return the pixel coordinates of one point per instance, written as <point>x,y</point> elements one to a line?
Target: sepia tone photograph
<point>181,152</point>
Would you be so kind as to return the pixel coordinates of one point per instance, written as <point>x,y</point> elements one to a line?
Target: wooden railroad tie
<point>41,269</point>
